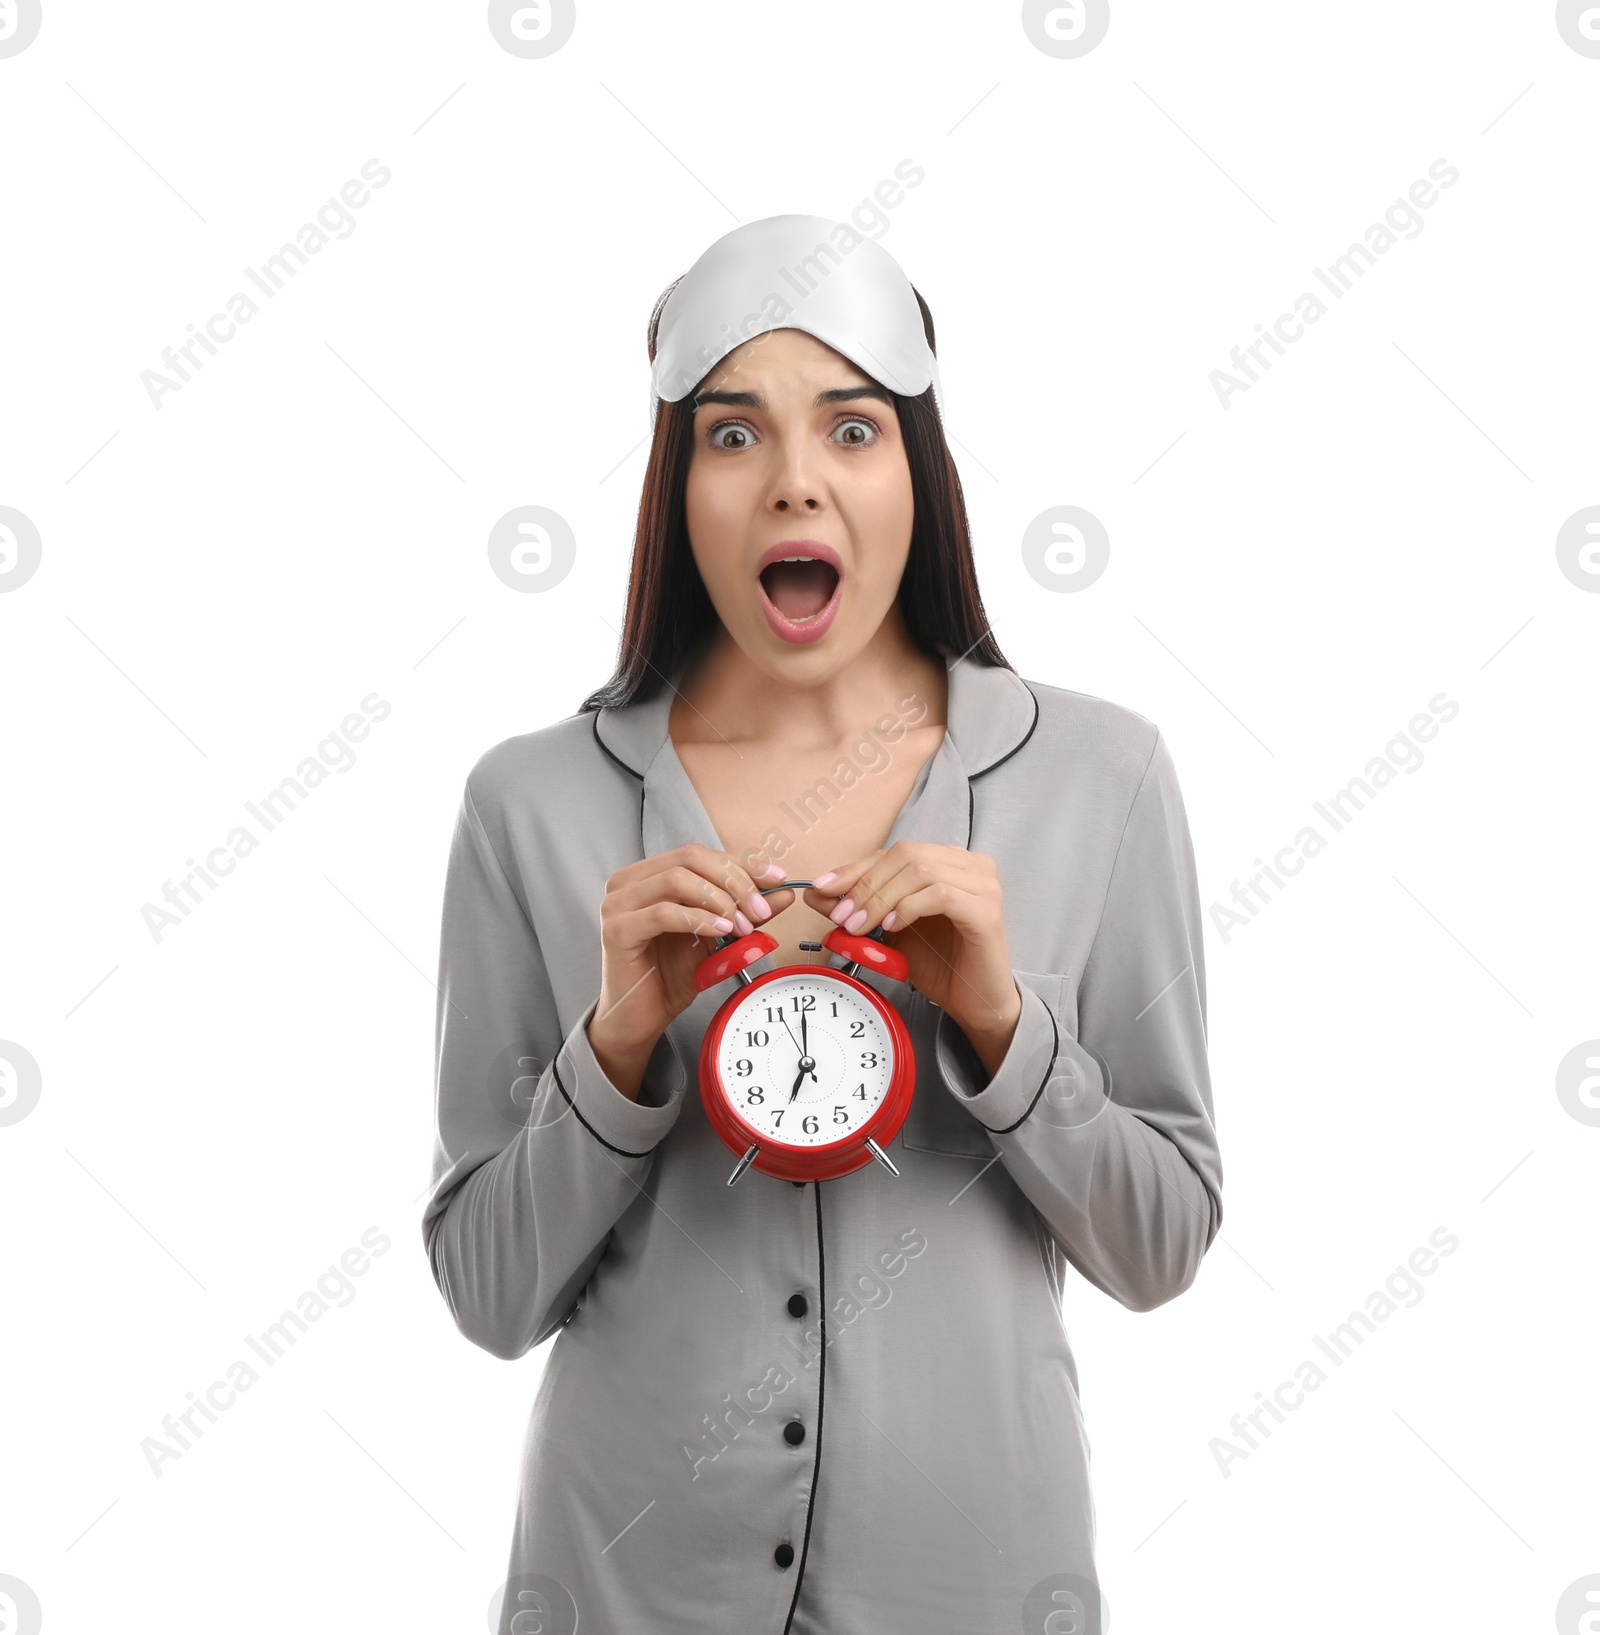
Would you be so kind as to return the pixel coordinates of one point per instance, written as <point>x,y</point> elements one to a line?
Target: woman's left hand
<point>939,906</point>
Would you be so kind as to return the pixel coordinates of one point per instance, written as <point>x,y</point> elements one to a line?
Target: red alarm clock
<point>805,1072</point>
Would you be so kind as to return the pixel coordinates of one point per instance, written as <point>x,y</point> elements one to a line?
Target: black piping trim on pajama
<point>623,1151</point>
<point>971,801</point>
<point>971,798</point>
<point>1055,1050</point>
<point>822,1380</point>
<point>1055,1046</point>
<point>1025,737</point>
<point>594,727</point>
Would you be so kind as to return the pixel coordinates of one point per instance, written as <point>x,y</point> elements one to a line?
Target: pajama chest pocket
<point>937,1122</point>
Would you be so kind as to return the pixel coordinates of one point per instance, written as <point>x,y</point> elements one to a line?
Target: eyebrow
<point>754,400</point>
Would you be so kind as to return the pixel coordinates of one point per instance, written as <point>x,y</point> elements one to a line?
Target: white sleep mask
<point>794,272</point>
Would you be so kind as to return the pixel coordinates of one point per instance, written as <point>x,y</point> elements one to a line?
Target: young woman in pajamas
<point>847,1407</point>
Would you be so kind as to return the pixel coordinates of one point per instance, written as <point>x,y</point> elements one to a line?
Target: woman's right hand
<point>659,918</point>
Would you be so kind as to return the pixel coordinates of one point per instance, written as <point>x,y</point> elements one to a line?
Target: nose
<point>795,486</point>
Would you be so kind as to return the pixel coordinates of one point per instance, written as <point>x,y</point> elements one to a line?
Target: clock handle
<point>870,952</point>
<point>731,959</point>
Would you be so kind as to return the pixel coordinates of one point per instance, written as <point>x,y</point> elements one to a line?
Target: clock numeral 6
<point>809,1124</point>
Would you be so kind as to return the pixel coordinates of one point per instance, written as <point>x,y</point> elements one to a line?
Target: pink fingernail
<point>773,871</point>
<point>823,880</point>
<point>745,927</point>
<point>722,925</point>
<point>889,920</point>
<point>760,909</point>
<point>856,920</point>
<point>841,911</point>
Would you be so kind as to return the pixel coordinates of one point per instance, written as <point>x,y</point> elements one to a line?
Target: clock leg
<point>882,1157</point>
<point>743,1164</point>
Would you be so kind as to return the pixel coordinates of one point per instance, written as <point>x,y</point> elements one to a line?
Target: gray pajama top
<point>846,1408</point>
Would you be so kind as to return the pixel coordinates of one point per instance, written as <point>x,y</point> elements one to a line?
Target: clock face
<point>806,1060</point>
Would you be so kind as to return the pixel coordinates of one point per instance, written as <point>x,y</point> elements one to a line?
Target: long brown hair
<point>669,612</point>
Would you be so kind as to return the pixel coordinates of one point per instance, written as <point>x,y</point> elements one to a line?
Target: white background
<point>1292,578</point>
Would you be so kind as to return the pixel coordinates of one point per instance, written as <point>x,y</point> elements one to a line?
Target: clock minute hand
<point>805,1050</point>
<point>798,1046</point>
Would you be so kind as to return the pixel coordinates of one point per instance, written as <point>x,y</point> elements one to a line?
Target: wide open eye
<point>731,435</point>
<point>859,432</point>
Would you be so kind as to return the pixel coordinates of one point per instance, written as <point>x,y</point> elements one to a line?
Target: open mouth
<point>799,587</point>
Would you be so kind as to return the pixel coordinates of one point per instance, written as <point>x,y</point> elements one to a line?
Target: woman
<point>843,1407</point>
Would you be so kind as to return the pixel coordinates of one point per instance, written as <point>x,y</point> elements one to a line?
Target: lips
<point>800,581</point>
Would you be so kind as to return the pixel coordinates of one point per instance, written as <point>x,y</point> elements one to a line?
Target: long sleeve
<point>537,1153</point>
<point>1111,1134</point>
